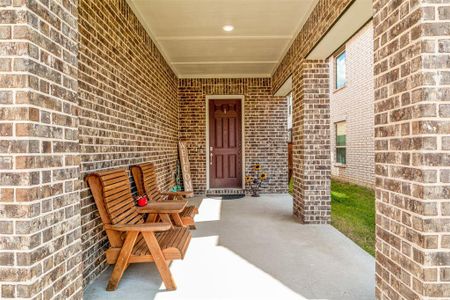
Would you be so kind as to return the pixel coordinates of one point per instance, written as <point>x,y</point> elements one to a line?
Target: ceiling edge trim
<point>285,89</point>
<point>231,62</point>
<point>358,13</point>
<point>220,37</point>
<point>296,33</point>
<point>190,76</point>
<point>151,35</point>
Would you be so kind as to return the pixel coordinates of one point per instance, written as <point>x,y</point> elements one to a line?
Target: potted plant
<point>255,179</point>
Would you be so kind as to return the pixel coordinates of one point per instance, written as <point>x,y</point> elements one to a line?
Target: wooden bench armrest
<point>184,193</point>
<point>163,207</point>
<point>149,227</point>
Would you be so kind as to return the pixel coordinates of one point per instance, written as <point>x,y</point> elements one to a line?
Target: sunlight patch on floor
<point>211,271</point>
<point>210,210</point>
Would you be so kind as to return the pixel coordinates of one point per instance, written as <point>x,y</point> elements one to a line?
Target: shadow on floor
<point>252,248</point>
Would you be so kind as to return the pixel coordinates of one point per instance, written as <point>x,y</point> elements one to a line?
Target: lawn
<point>353,213</point>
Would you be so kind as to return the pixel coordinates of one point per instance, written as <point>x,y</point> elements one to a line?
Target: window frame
<point>337,54</point>
<point>340,146</point>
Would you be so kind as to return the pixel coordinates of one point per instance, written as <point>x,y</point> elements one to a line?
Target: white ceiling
<point>189,33</point>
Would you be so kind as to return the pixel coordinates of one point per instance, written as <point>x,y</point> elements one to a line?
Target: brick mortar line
<point>47,9</point>
<point>29,170</point>
<point>35,233</point>
<point>31,281</point>
<point>112,118</point>
<point>136,35</point>
<point>34,186</point>
<point>394,274</point>
<point>420,216</point>
<point>41,49</point>
<point>61,19</point>
<point>15,122</point>
<point>97,57</point>
<point>37,92</point>
<point>110,101</point>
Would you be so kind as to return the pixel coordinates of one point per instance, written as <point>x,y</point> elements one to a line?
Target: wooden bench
<point>146,182</point>
<point>131,239</point>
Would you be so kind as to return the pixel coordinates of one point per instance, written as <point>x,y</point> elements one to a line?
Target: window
<point>289,100</point>
<point>341,136</point>
<point>340,70</point>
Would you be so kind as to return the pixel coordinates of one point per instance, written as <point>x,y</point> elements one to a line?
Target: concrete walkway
<point>252,248</point>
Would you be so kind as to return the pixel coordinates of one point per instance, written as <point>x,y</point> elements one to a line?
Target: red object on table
<point>142,201</point>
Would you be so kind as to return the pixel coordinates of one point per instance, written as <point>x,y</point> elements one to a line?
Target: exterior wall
<point>39,160</point>
<point>354,104</point>
<point>128,109</point>
<point>265,127</point>
<point>412,149</point>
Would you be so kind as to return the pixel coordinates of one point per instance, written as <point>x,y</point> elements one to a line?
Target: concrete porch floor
<point>252,248</point>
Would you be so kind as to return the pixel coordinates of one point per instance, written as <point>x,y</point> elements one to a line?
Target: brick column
<point>311,142</point>
<point>39,161</point>
<point>412,148</point>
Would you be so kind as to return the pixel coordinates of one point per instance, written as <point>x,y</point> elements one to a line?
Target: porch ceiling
<point>189,33</point>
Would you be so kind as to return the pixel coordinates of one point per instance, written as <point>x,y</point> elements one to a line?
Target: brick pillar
<point>412,148</point>
<point>39,160</point>
<point>311,142</point>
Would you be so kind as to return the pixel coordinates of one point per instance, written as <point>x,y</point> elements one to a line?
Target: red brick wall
<point>128,108</point>
<point>265,126</point>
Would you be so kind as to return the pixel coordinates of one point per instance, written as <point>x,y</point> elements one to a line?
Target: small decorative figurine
<point>254,179</point>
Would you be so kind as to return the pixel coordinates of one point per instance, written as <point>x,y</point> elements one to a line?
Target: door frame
<point>225,97</point>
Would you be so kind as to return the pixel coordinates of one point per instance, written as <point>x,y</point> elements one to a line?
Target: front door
<point>225,161</point>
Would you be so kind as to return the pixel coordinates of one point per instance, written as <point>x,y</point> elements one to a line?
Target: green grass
<point>291,186</point>
<point>353,213</point>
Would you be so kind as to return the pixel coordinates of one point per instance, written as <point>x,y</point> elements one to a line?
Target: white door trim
<point>221,97</point>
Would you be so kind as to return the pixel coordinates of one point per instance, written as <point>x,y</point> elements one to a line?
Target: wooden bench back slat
<point>116,199</point>
<point>119,210</point>
<point>119,202</point>
<point>146,180</point>
<point>118,196</point>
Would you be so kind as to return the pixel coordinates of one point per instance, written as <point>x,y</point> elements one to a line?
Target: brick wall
<point>354,105</point>
<point>128,108</point>
<point>311,142</point>
<point>412,148</point>
<point>265,126</point>
<point>39,160</point>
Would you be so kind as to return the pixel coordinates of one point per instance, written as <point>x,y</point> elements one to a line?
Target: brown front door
<point>225,161</point>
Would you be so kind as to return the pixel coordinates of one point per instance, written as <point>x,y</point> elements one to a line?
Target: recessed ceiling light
<point>228,28</point>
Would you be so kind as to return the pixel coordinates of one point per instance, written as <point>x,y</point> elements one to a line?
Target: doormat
<point>232,197</point>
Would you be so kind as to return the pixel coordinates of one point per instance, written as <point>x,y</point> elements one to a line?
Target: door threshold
<point>225,191</point>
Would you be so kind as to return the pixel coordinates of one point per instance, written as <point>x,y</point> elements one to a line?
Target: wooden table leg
<point>177,220</point>
<point>151,218</point>
<point>165,218</point>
